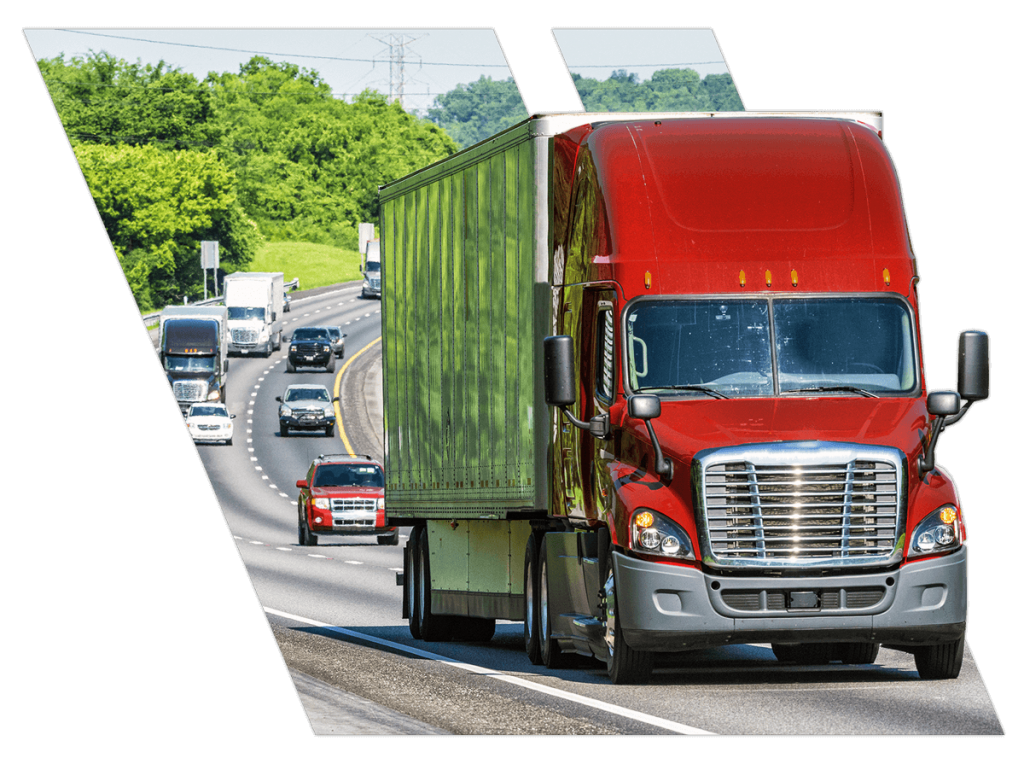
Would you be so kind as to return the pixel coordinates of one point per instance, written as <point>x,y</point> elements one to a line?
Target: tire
<point>228,441</point>
<point>625,665</point>
<point>388,539</point>
<point>291,367</point>
<point>411,588</point>
<point>550,651</point>
<point>329,430</point>
<point>940,661</point>
<point>857,654</point>
<point>803,654</point>
<point>531,620</point>
<point>330,366</point>
<point>432,628</point>
<point>306,537</point>
<point>284,431</point>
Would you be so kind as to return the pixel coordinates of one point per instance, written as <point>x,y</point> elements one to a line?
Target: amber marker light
<point>768,278</point>
<point>644,520</point>
<point>948,515</point>
<point>743,279</point>
<point>792,275</point>
<point>885,275</point>
<point>647,280</point>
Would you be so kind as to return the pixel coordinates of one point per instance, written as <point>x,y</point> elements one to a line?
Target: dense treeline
<point>268,153</point>
<point>471,113</point>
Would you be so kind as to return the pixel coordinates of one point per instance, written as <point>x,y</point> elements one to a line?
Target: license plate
<point>245,350</point>
<point>803,600</point>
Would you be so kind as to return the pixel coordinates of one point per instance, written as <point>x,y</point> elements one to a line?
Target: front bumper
<point>211,436</point>
<point>667,608</point>
<point>298,423</point>
<point>353,521</point>
<point>256,348</point>
<point>309,359</point>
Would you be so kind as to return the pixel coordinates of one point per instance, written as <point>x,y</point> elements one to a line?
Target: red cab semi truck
<point>654,383</point>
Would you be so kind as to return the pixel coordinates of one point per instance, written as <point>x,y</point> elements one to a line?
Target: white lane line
<point>352,562</point>
<point>283,495</point>
<point>283,549</point>
<point>627,713</point>
<point>318,556</point>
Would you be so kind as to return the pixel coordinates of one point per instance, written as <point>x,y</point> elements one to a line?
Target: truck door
<point>597,378</point>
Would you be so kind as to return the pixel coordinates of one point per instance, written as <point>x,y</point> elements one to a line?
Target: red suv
<point>343,495</point>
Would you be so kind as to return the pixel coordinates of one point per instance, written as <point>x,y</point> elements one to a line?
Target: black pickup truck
<point>310,346</point>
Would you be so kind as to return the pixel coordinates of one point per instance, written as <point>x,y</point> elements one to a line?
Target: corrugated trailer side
<point>463,407</point>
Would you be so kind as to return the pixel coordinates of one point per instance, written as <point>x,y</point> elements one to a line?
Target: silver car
<point>306,407</point>
<point>337,340</point>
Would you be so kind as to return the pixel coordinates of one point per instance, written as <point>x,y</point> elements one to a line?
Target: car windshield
<point>208,411</point>
<point>358,475</point>
<point>335,332</point>
<point>189,363</point>
<point>306,394</point>
<point>246,314</point>
<point>724,348</point>
<point>309,333</point>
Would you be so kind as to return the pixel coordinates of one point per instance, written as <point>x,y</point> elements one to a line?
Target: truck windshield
<point>373,266</point>
<point>724,348</point>
<point>189,363</point>
<point>246,314</point>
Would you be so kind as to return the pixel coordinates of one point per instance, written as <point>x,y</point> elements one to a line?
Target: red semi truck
<point>654,383</point>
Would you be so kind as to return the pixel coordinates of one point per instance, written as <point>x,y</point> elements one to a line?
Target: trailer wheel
<point>411,588</point>
<point>550,651</point>
<point>433,628</point>
<point>531,620</point>
<point>940,661</point>
<point>625,665</point>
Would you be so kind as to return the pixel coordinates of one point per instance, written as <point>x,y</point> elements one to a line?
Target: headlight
<point>285,411</point>
<point>380,503</point>
<point>938,533</point>
<point>322,503</point>
<point>653,533</point>
<point>214,394</point>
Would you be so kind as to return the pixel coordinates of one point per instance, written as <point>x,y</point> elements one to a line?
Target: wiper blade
<point>695,388</point>
<point>832,389</point>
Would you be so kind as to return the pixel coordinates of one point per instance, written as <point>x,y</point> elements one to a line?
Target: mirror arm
<point>956,417</point>
<point>662,465</point>
<point>576,422</point>
<point>926,461</point>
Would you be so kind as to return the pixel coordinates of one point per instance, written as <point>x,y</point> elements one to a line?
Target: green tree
<point>157,206</point>
<point>667,90</point>
<point>103,99</point>
<point>474,112</point>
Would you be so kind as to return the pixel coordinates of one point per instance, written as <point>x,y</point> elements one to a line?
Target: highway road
<point>335,610</point>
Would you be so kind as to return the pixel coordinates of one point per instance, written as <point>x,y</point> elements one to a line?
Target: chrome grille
<point>244,336</point>
<point>797,505</point>
<point>341,505</point>
<point>190,390</point>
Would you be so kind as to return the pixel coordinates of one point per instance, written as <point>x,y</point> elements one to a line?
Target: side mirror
<point>234,416</point>
<point>335,399</point>
<point>278,399</point>
<point>645,407</point>
<point>559,371</point>
<point>972,371</point>
<point>943,403</point>
<point>301,484</point>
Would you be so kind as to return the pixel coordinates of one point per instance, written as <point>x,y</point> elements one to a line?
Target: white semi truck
<point>254,301</point>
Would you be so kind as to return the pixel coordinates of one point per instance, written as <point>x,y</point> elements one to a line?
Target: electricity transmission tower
<point>398,53</point>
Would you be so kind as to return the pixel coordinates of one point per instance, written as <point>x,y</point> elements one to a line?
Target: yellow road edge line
<point>337,394</point>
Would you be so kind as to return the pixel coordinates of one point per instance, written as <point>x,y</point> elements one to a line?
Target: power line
<point>371,60</point>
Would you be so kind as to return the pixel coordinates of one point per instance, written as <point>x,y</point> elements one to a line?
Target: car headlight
<point>285,411</point>
<point>322,503</point>
<point>938,533</point>
<point>653,533</point>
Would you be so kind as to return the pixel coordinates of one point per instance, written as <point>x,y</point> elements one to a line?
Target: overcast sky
<point>433,61</point>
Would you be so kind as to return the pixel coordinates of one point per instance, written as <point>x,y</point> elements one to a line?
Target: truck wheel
<point>530,616</point>
<point>857,653</point>
<point>433,628</point>
<point>550,651</point>
<point>940,661</point>
<point>411,588</point>
<point>625,665</point>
